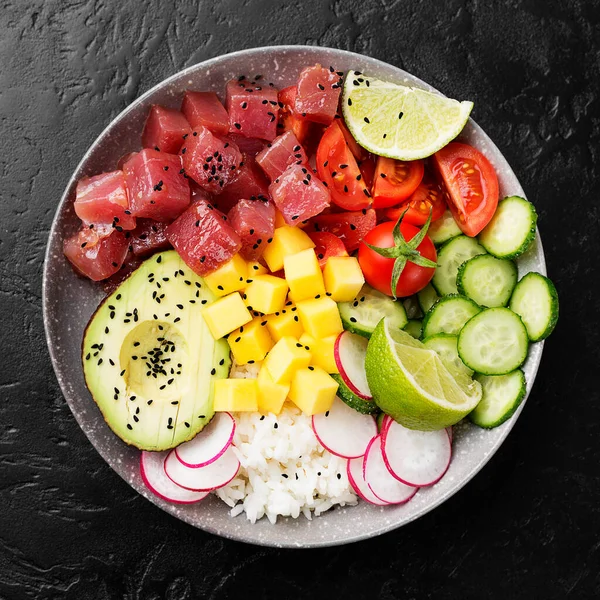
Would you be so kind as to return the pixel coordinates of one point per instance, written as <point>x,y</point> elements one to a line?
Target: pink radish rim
<point>211,489</point>
<point>343,374</point>
<point>416,489</point>
<point>354,485</point>
<point>166,498</point>
<point>383,434</point>
<point>212,460</point>
<point>312,420</point>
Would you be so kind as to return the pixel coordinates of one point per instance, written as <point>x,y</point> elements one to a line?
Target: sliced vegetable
<point>357,481</point>
<point>368,308</point>
<point>395,181</point>
<point>448,315</point>
<point>502,395</point>
<point>416,458</point>
<point>344,431</point>
<point>535,300</point>
<point>451,255</point>
<point>350,227</point>
<point>444,229</point>
<point>512,229</point>
<point>494,342</point>
<point>446,346</point>
<point>427,297</point>
<point>349,352</point>
<point>487,280</point>
<point>366,407</point>
<point>414,327</point>
<point>326,246</point>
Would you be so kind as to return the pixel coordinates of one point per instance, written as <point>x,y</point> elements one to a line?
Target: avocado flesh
<point>149,359</point>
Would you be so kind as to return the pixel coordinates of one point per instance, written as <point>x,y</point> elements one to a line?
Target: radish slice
<point>357,481</point>
<point>450,433</point>
<point>415,458</point>
<point>349,353</point>
<point>209,444</point>
<point>381,482</point>
<point>152,470</point>
<point>203,479</point>
<point>344,431</point>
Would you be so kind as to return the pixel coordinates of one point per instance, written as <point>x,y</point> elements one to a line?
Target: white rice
<point>284,470</point>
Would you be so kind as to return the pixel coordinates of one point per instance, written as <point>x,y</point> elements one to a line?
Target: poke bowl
<point>66,321</point>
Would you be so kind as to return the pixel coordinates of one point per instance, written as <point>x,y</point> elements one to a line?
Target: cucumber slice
<point>414,327</point>
<point>448,315</point>
<point>502,395</point>
<point>446,345</point>
<point>487,280</point>
<point>512,228</point>
<point>451,255</point>
<point>493,342</point>
<point>444,229</point>
<point>427,297</point>
<point>366,407</point>
<point>368,308</point>
<point>535,300</point>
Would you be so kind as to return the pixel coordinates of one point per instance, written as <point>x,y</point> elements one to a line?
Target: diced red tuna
<point>164,129</point>
<point>318,92</point>
<point>210,160</point>
<point>299,195</point>
<point>96,255</point>
<point>350,227</point>
<point>285,150</point>
<point>204,109</point>
<point>157,188</point>
<point>247,146</point>
<point>149,237</point>
<point>248,182</point>
<point>253,109</point>
<point>254,222</point>
<point>203,238</point>
<point>103,200</point>
<point>131,263</point>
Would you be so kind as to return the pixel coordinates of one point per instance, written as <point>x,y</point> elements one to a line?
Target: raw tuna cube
<point>103,200</point>
<point>278,156</point>
<point>248,182</point>
<point>149,237</point>
<point>350,227</point>
<point>247,146</point>
<point>204,109</point>
<point>254,222</point>
<point>96,255</point>
<point>164,129</point>
<point>253,109</point>
<point>210,160</point>
<point>318,92</point>
<point>203,238</point>
<point>157,189</point>
<point>299,195</point>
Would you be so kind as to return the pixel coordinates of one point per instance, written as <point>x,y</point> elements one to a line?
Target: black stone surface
<point>528,526</point>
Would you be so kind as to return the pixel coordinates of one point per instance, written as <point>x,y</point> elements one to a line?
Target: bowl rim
<point>54,231</point>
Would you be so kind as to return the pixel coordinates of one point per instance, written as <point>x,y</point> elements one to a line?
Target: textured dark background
<point>528,526</point>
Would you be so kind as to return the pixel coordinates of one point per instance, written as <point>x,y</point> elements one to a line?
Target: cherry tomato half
<point>427,197</point>
<point>395,181</point>
<point>378,269</point>
<point>350,227</point>
<point>326,246</point>
<point>337,167</point>
<point>471,183</point>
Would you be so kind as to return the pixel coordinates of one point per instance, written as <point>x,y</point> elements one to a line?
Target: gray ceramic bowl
<point>65,319</point>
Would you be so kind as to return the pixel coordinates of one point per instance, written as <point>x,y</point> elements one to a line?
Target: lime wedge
<point>410,382</point>
<point>398,121</point>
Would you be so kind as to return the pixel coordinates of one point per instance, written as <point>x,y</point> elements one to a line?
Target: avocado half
<point>149,359</point>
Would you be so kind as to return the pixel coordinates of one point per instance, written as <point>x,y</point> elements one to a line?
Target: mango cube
<point>313,390</point>
<point>304,275</point>
<point>255,268</point>
<point>266,293</point>
<point>226,314</point>
<point>285,322</point>
<point>279,220</point>
<point>285,242</point>
<point>320,317</point>
<point>322,351</point>
<point>285,358</point>
<point>235,395</point>
<point>228,278</point>
<point>271,395</point>
<point>250,343</point>
<point>343,278</point>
